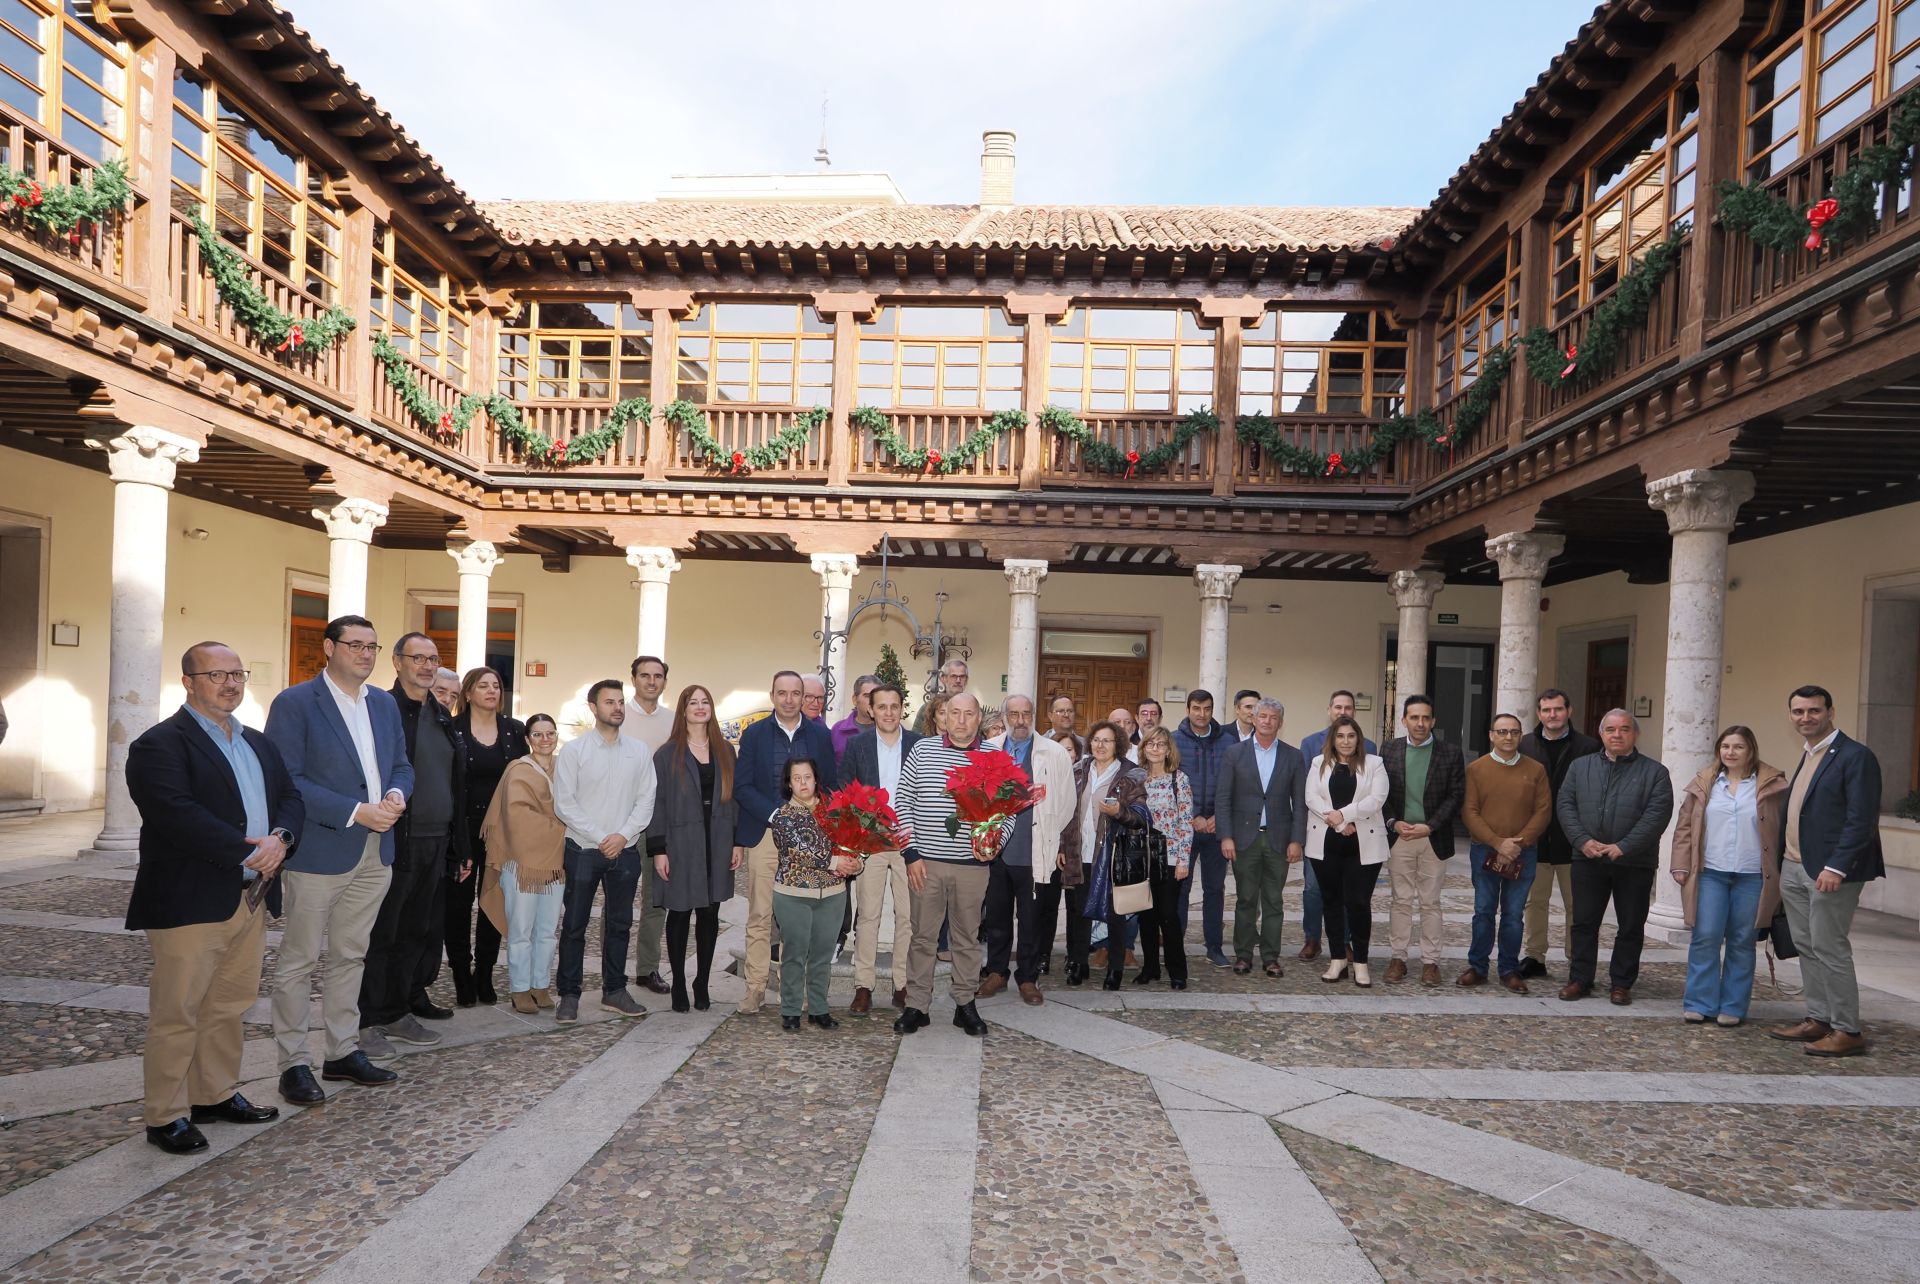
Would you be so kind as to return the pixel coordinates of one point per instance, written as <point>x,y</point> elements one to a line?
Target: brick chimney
<point>996,169</point>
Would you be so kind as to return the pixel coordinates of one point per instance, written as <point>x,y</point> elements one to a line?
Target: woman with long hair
<point>1170,801</point>
<point>490,741</point>
<point>691,839</point>
<point>1726,858</point>
<point>1346,835</point>
<point>524,879</point>
<point>1110,793</point>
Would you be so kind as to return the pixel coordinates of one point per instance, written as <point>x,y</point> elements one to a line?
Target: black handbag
<point>1780,936</point>
<point>1134,852</point>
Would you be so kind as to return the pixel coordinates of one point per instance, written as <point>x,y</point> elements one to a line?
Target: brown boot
<point>1806,1030</point>
<point>862,1002</point>
<point>1470,978</point>
<point>1513,982</point>
<point>543,997</point>
<point>1837,1044</point>
<point>1396,971</point>
<point>1030,994</point>
<point>990,985</point>
<point>900,997</point>
<point>1310,951</point>
<point>522,1002</point>
<point>1097,960</point>
<point>1429,974</point>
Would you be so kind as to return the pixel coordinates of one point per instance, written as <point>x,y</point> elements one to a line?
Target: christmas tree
<point>888,670</point>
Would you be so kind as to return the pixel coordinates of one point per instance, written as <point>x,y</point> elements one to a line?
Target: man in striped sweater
<point>948,882</point>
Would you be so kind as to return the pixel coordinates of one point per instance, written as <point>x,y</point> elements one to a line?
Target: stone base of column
<point>1667,927</point>
<point>110,855</point>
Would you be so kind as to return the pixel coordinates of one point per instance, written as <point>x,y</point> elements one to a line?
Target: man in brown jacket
<point>1507,809</point>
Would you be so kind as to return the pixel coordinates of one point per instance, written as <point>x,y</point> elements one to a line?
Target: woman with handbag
<point>1347,835</point>
<point>525,878</point>
<point>1110,799</point>
<point>1170,856</point>
<point>690,839</point>
<point>1726,858</point>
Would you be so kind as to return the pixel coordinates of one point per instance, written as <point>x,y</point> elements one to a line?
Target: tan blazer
<point>1690,835</point>
<point>1052,769</point>
<point>1365,811</point>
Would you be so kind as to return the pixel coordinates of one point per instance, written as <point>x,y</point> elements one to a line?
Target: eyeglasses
<point>361,648</point>
<point>421,659</point>
<point>221,676</point>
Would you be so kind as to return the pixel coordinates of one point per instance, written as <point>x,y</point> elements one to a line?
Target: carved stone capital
<point>1024,574</point>
<point>1700,499</point>
<point>353,519</point>
<point>1415,588</point>
<point>1524,555</point>
<point>655,565</point>
<point>836,570</point>
<point>476,558</point>
<point>150,456</point>
<point>1216,580</point>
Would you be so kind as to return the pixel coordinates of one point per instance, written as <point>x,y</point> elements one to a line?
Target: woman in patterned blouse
<point>809,897</point>
<point>1170,799</point>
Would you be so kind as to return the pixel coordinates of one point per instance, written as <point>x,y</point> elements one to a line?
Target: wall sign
<point>1449,617</point>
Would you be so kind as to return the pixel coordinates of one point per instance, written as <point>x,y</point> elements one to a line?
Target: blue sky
<point>1270,102</point>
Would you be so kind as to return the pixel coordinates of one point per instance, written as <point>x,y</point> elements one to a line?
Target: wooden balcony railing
<point>1654,340</point>
<point>97,250</point>
<point>738,427</point>
<point>562,421</point>
<point>197,305</point>
<point>1255,470</point>
<point>390,412</point>
<point>1193,470</point>
<point>938,430</point>
<point>1753,276</point>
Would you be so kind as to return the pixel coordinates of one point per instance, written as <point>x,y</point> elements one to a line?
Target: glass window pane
<point>1133,323</point>
<point>756,318</point>
<point>776,351</point>
<point>1310,327</point>
<point>1843,113</point>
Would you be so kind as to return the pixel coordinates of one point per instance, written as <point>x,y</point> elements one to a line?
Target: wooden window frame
<point>522,349</point>
<point>1808,40</point>
<point>453,355</point>
<point>1463,324</point>
<point>702,325</point>
<point>1375,404</point>
<point>945,397</point>
<point>1178,349</point>
<point>58,31</point>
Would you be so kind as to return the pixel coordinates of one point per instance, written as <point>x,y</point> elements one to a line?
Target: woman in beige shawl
<point>525,879</point>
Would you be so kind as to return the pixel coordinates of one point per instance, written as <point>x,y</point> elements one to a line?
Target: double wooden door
<point>1098,686</point>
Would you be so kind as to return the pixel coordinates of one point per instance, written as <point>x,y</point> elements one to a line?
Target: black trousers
<point>405,944</point>
<point>1346,899</point>
<point>473,949</point>
<point>1160,927</point>
<point>587,870</point>
<point>1046,920</point>
<point>1630,888</point>
<point>1009,905</point>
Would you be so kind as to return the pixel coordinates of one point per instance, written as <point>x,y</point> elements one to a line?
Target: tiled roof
<point>830,226</point>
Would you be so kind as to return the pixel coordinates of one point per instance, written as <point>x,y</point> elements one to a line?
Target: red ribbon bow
<point>1333,463</point>
<point>1443,439</point>
<point>446,421</point>
<point>1133,462</point>
<point>1573,359</point>
<point>294,339</point>
<point>738,464</point>
<point>933,462</point>
<point>1818,217</point>
<point>30,197</point>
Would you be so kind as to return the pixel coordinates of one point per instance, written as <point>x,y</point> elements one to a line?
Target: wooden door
<point>1606,681</point>
<point>1096,685</point>
<point>307,628</point>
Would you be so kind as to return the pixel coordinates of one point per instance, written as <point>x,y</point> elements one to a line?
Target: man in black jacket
<point>1613,808</point>
<point>1554,743</point>
<point>1426,786</point>
<point>218,814</point>
<point>431,845</point>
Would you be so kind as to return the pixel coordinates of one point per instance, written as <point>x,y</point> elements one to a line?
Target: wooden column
<point>666,307</point>
<point>1036,312</point>
<point>1232,316</point>
<point>1720,112</point>
<point>1536,262</point>
<point>149,230</point>
<point>844,310</point>
<point>356,296</point>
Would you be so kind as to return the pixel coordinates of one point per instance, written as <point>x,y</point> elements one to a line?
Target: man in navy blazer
<point>345,747</point>
<point>218,815</point>
<point>1829,851</point>
<point>861,765</point>
<point>765,748</point>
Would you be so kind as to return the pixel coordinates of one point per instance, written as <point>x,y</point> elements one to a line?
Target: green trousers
<point>1259,876</point>
<point>809,929</point>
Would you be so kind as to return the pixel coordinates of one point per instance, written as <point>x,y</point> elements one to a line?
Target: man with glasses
<point>954,676</point>
<point>1508,805</point>
<point>218,815</point>
<point>431,845</point>
<point>346,749</point>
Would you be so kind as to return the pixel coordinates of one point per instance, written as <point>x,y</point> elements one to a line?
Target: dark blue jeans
<point>1310,902</point>
<point>1508,897</point>
<point>587,871</point>
<point>1210,871</point>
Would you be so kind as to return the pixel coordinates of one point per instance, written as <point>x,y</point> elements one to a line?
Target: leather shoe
<point>1098,959</point>
<point>1837,1044</point>
<point>655,982</point>
<point>862,1002</point>
<point>1076,972</point>
<point>1310,951</point>
<point>1530,968</point>
<point>967,1017</point>
<point>1030,994</point>
<point>1396,971</point>
<point>1805,1030</point>
<point>1574,990</point>
<point>790,1023</point>
<point>824,1020</point>
<point>235,1110</point>
<point>428,1010</point>
<point>299,1088</point>
<point>1470,978</point>
<point>357,1069</point>
<point>991,984</point>
<point>910,1020</point>
<point>1429,974</point>
<point>1242,967</point>
<point>178,1138</point>
<point>1111,981</point>
<point>1513,982</point>
<point>1274,969</point>
<point>1620,996</point>
<point>900,997</point>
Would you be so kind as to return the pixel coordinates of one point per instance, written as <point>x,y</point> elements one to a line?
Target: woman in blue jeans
<point>1726,858</point>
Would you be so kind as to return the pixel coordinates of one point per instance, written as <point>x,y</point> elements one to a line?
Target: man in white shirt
<point>650,722</point>
<point>1130,742</point>
<point>603,789</point>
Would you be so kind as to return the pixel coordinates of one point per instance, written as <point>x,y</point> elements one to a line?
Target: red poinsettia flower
<point>859,820</point>
<point>30,197</point>
<point>1818,217</point>
<point>446,421</point>
<point>988,788</point>
<point>1333,463</point>
<point>737,464</point>
<point>933,461</point>
<point>295,338</point>
<point>1573,359</point>
<point>1133,462</point>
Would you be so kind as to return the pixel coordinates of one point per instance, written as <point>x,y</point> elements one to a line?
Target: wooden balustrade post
<point>1036,312</point>
<point>1721,108</point>
<point>844,309</point>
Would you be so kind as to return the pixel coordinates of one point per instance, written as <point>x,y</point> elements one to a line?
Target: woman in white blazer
<point>1346,834</point>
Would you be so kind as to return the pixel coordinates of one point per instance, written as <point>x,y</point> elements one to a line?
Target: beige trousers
<point>955,893</point>
<point>1415,874</point>
<point>339,908</point>
<point>205,977</point>
<point>888,869</point>
<point>762,859</point>
<point>1539,899</point>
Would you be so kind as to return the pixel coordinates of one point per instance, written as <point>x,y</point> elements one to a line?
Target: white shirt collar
<point>1824,744</point>
<point>1505,762</point>
<point>340,694</point>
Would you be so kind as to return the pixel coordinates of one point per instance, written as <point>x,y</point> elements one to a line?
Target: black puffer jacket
<point>1626,802</point>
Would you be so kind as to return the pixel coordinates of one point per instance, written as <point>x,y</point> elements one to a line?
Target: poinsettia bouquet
<point>859,821</point>
<point>988,788</point>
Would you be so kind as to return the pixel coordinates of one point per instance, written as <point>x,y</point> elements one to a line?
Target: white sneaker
<point>1361,977</point>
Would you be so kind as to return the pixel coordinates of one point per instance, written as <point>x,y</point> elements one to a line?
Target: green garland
<point>275,329</point>
<point>1101,457</point>
<point>919,459</point>
<point>687,416</point>
<point>1623,311</point>
<point>1772,222</point>
<point>66,208</point>
<point>1476,403</point>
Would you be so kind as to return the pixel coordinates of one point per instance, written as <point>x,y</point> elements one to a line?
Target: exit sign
<point>1449,617</point>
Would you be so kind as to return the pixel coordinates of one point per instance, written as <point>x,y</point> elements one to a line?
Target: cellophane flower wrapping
<point>859,820</point>
<point>988,788</point>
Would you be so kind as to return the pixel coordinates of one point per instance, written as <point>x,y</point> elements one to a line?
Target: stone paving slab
<point>75,956</point>
<point>31,1149</point>
<point>74,896</point>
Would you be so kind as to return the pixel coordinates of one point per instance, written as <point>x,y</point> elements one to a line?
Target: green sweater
<point>1419,759</point>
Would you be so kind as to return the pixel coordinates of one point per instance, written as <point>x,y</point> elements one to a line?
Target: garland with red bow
<point>690,419</point>
<point>878,425</point>
<point>281,331</point>
<point>66,209</point>
<point>1102,457</point>
<point>1852,203</point>
<point>1621,312</point>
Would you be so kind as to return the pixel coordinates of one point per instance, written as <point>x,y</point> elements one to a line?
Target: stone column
<point>836,572</point>
<point>1522,557</point>
<point>142,462</point>
<point>654,568</point>
<point>1216,583</point>
<point>1023,625</point>
<point>1413,593</point>
<point>1700,505</point>
<point>476,561</point>
<point>350,526</point>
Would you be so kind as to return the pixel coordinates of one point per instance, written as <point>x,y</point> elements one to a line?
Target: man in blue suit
<point>1829,852</point>
<point>344,745</point>
<point>765,749</point>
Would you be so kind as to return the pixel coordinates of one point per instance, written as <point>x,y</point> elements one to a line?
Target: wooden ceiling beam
<point>1099,268</point>
<point>861,265</point>
<point>258,39</point>
<point>1216,268</point>
<point>785,260</point>
<point>979,265</point>
<point>1176,269</point>
<point>354,127</point>
<point>1019,266</point>
<point>385,150</point>
<point>749,264</point>
<point>711,264</point>
<point>900,267</point>
<point>672,259</point>
<point>329,100</point>
<point>940,265</point>
<point>823,263</point>
<point>295,72</point>
<point>1257,269</point>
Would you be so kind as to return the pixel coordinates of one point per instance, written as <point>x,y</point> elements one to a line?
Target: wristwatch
<point>284,834</point>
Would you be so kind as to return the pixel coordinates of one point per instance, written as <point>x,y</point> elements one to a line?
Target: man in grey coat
<point>1261,798</point>
<point>1613,808</point>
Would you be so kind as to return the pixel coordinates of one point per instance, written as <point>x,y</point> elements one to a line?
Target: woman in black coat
<point>691,838</point>
<point>489,740</point>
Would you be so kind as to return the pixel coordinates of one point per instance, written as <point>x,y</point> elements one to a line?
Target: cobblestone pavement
<point>80,897</point>
<point>38,1036</point>
<point>75,956</point>
<point>34,1148</point>
<point>1754,1156</point>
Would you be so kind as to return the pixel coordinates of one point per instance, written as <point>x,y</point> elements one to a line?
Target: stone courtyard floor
<point>1246,1129</point>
